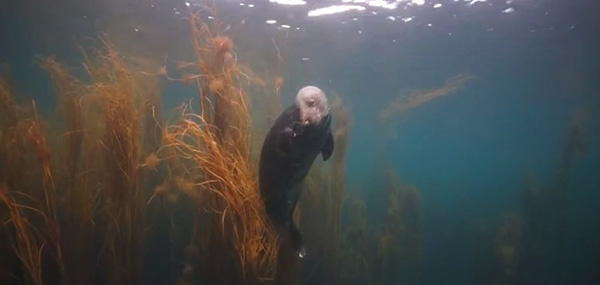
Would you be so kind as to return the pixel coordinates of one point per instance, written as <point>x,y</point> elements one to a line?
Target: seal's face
<point>312,104</point>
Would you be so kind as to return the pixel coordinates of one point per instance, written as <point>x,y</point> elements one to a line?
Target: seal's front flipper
<point>327,148</point>
<point>284,140</point>
<point>297,241</point>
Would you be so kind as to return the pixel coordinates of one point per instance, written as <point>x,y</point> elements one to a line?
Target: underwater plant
<point>411,99</point>
<point>400,241</point>
<point>75,200</point>
<point>322,201</point>
<point>386,250</point>
<point>121,190</point>
<point>508,250</point>
<point>214,162</point>
<point>88,192</point>
<point>355,258</point>
<point>28,191</point>
<point>545,213</point>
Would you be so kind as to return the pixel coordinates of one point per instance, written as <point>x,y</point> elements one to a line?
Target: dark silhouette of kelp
<point>321,203</point>
<point>545,212</point>
<point>392,252</point>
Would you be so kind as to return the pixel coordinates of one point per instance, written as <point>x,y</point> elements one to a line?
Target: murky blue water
<point>534,65</point>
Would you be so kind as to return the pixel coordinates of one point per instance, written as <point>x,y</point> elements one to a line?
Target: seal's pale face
<point>312,104</point>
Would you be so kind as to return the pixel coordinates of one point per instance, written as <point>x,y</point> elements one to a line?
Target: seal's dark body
<point>288,152</point>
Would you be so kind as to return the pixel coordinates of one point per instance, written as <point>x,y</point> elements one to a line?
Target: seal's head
<point>312,104</point>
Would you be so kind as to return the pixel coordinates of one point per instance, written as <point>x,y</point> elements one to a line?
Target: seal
<point>298,135</point>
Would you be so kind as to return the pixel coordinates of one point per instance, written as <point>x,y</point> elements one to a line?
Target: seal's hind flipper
<point>297,241</point>
<point>327,148</point>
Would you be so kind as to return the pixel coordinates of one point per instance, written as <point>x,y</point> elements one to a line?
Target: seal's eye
<point>310,102</point>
